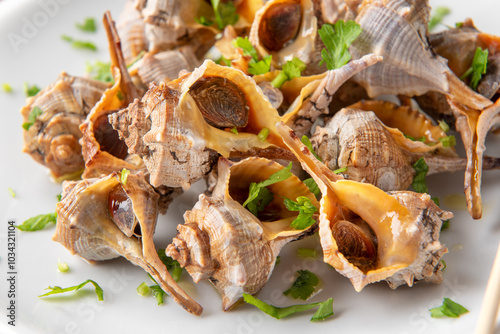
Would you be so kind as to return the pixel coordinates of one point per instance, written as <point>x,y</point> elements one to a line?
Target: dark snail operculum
<point>220,101</point>
<point>280,24</point>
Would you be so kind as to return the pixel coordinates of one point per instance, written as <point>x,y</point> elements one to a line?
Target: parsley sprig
<point>305,140</point>
<point>437,16</point>
<point>88,25</point>
<point>448,309</point>
<point>325,309</point>
<point>306,211</point>
<point>38,222</point>
<point>78,44</point>
<point>255,66</point>
<point>30,90</point>
<point>291,69</point>
<point>303,286</point>
<point>478,67</point>
<point>419,182</point>
<point>259,196</point>
<point>337,39</point>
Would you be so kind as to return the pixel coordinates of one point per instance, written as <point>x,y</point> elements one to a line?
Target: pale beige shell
<point>85,227</point>
<point>397,236</point>
<point>301,46</point>
<point>396,30</point>
<point>53,138</point>
<point>131,28</point>
<point>177,144</point>
<point>223,242</point>
<point>165,66</point>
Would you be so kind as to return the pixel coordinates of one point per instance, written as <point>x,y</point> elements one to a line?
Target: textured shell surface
<point>132,31</point>
<point>178,144</point>
<point>359,141</point>
<point>405,227</point>
<point>223,242</point>
<point>98,220</point>
<point>53,138</point>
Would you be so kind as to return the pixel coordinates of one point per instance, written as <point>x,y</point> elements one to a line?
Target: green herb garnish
<point>11,192</point>
<point>306,211</point>
<point>291,69</point>
<point>313,186</point>
<point>158,292</point>
<point>119,95</point>
<point>30,90</point>
<point>448,309</point>
<point>448,141</point>
<point>307,253</point>
<point>7,88</point>
<point>255,66</point>
<point>340,170</point>
<point>34,113</point>
<point>124,176</point>
<point>305,140</point>
<point>88,25</point>
<point>79,44</point>
<point>303,287</point>
<point>337,39</point>
<point>38,222</point>
<point>259,196</point>
<point>437,17</point>
<point>324,311</point>
<point>445,127</point>
<point>62,266</point>
<point>57,289</point>
<point>263,134</point>
<point>225,14</point>
<point>234,130</point>
<point>100,71</point>
<point>421,139</point>
<point>143,289</point>
<point>478,67</point>
<point>172,265</point>
<point>419,182</point>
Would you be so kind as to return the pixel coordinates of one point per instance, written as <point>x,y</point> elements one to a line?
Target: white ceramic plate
<point>31,50</point>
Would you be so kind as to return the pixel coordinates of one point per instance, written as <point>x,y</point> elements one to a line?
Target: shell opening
<point>108,138</point>
<point>357,243</point>
<point>221,102</point>
<point>121,211</point>
<point>280,24</point>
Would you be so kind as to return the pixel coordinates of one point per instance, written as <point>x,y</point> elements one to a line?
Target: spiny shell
<point>53,138</point>
<point>406,225</point>
<point>225,243</point>
<point>358,140</point>
<point>177,143</point>
<point>131,29</point>
<point>396,30</point>
<point>88,225</point>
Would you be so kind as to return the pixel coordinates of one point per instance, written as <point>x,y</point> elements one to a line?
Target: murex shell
<point>53,138</point>
<point>181,127</point>
<point>369,235</point>
<point>225,243</point>
<point>101,219</point>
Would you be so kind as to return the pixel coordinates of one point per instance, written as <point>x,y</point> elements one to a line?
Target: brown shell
<point>53,138</point>
<point>223,242</point>
<point>405,226</point>
<point>86,226</point>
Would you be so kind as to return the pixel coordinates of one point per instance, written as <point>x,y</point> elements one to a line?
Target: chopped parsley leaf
<point>291,69</point>
<point>313,186</point>
<point>7,88</point>
<point>57,289</point>
<point>30,90</point>
<point>79,44</point>
<point>419,182</point>
<point>324,311</point>
<point>437,17</point>
<point>306,211</point>
<point>38,222</point>
<point>88,25</point>
<point>478,67</point>
<point>259,196</point>
<point>448,309</point>
<point>337,39</point>
<point>305,140</point>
